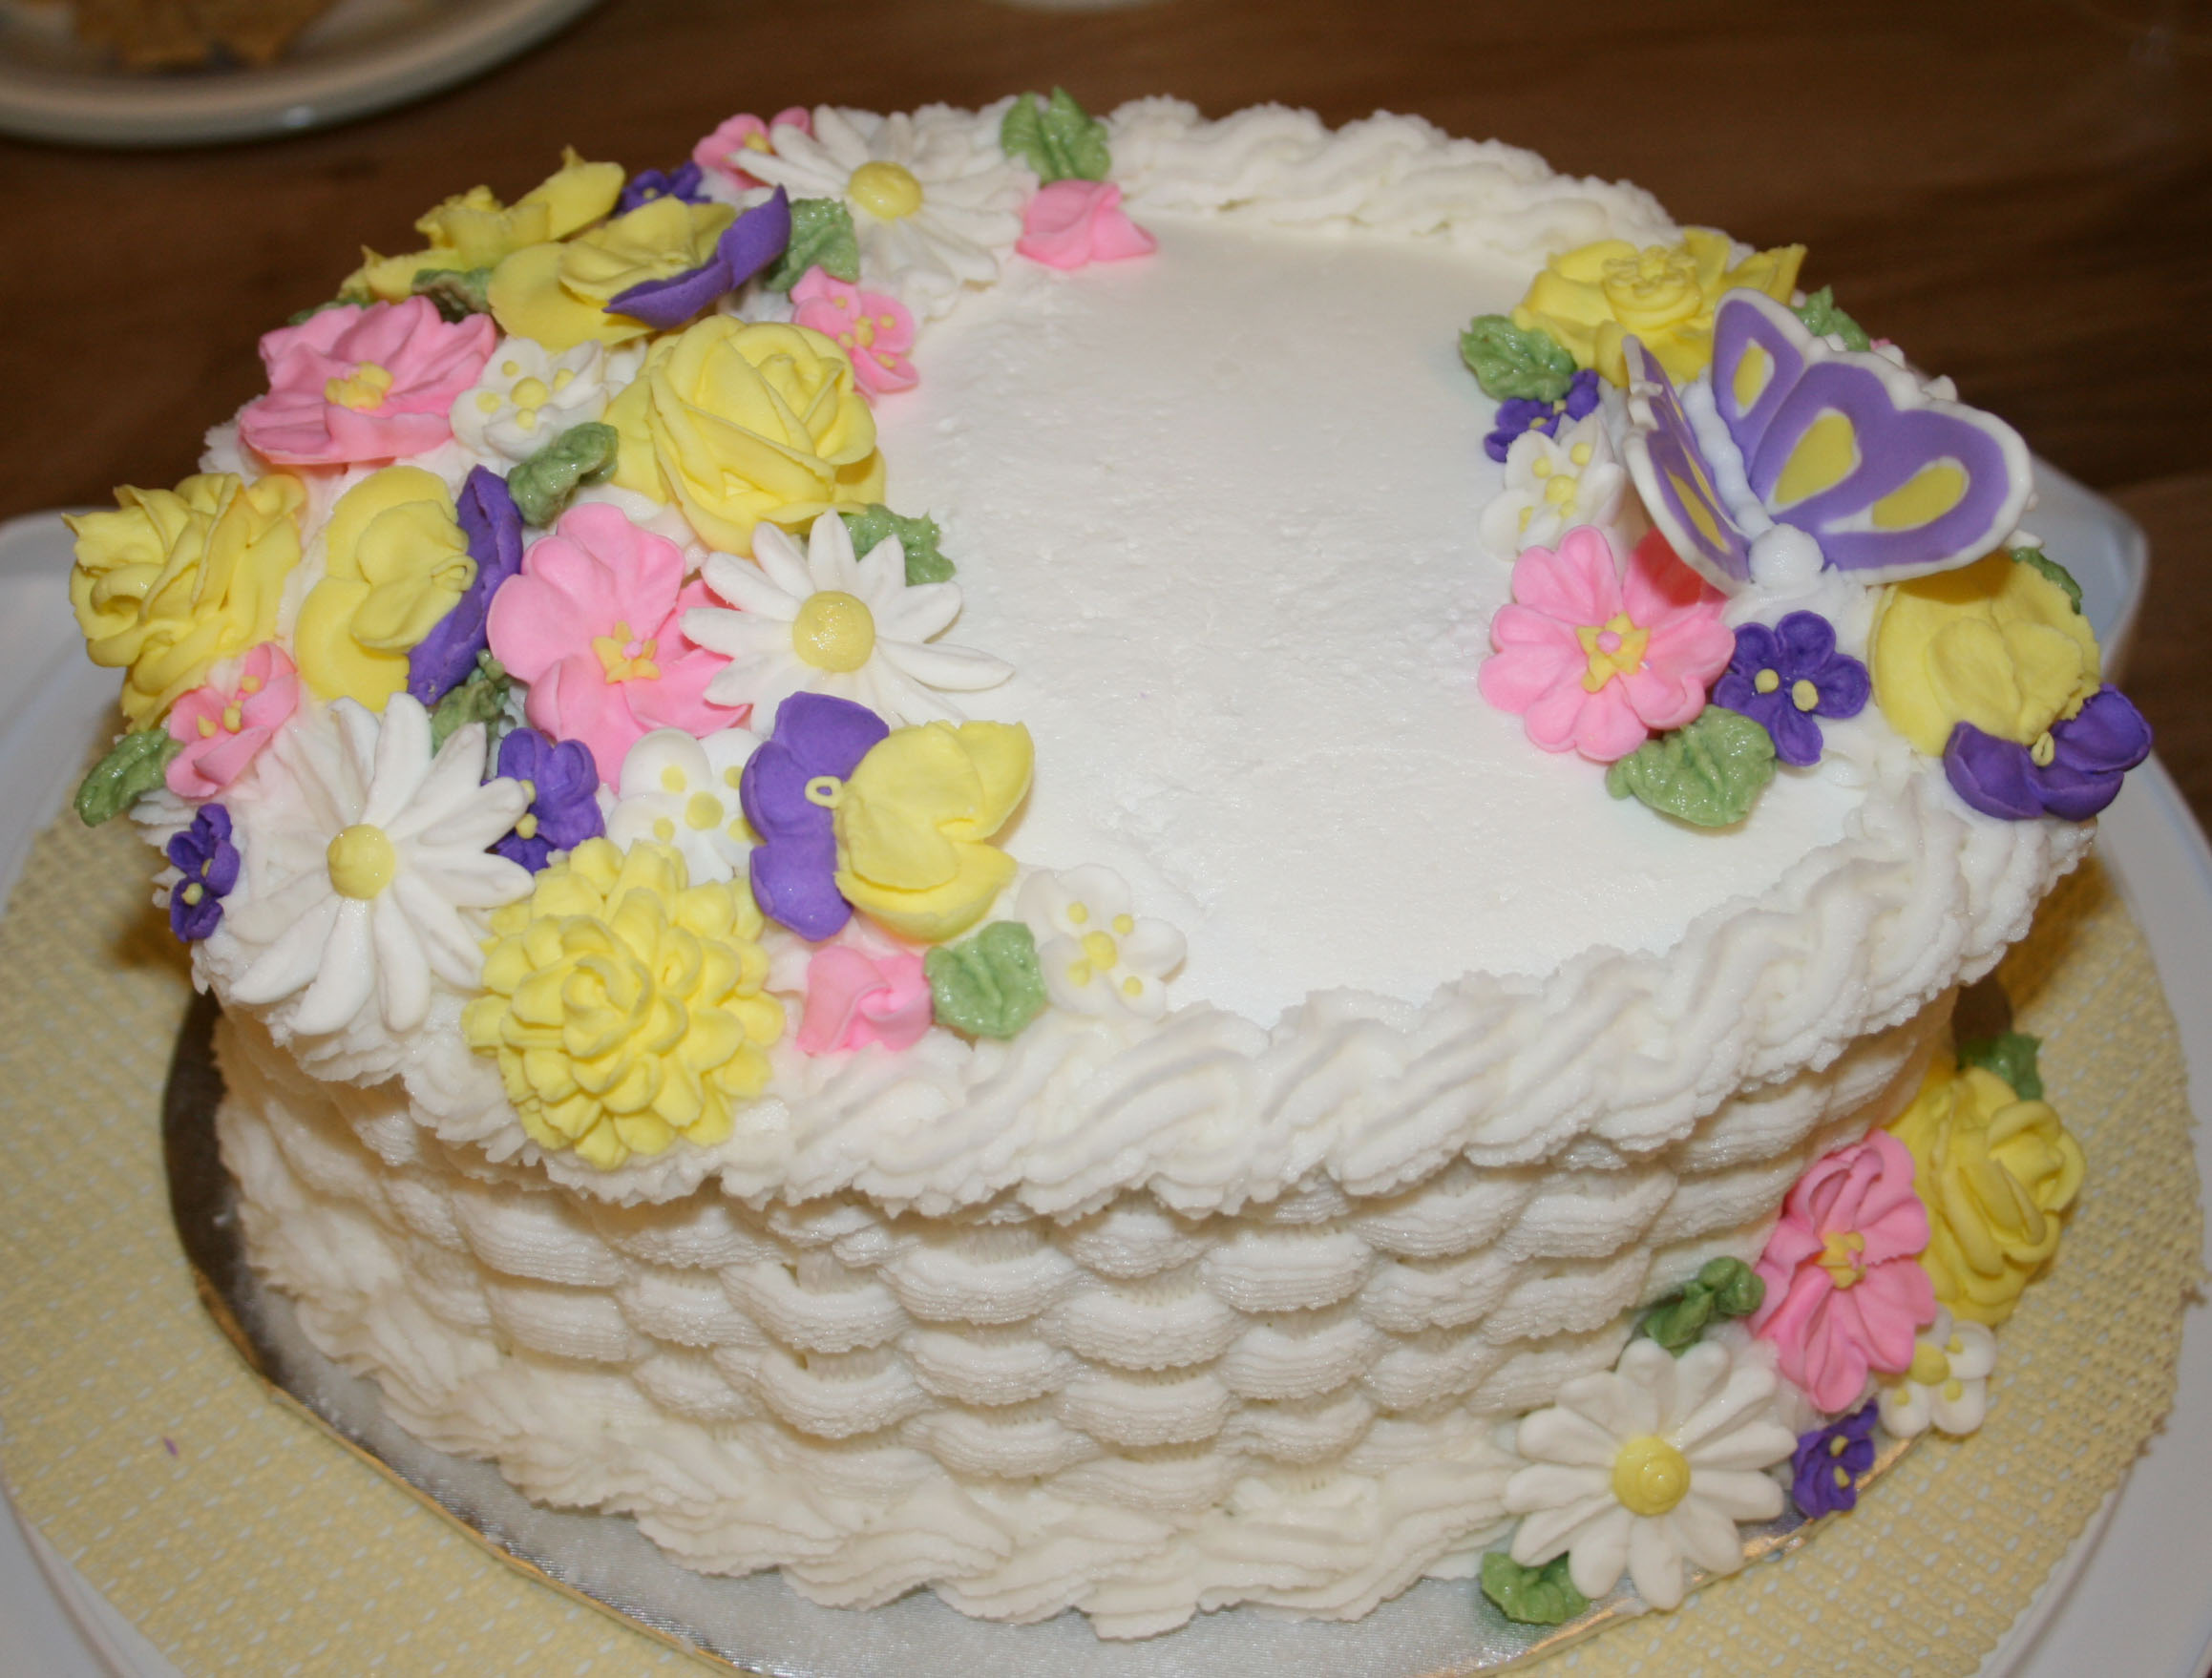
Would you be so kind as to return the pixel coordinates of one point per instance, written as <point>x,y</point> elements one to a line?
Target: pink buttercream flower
<point>1845,1289</point>
<point>854,999</point>
<point>719,151</point>
<point>364,384</point>
<point>591,622</point>
<point>875,331</point>
<point>1594,661</point>
<point>1072,223</point>
<point>224,729</point>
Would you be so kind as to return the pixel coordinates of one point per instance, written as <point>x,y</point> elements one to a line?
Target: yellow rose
<point>625,1003</point>
<point>1994,644</point>
<point>397,563</point>
<point>1593,298</point>
<point>1996,1175</point>
<point>474,230</point>
<point>558,293</point>
<point>174,579</point>
<point>740,423</point>
<point>914,821</point>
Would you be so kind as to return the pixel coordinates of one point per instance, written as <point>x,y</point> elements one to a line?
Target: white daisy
<point>682,792</point>
<point>527,396</point>
<point>935,203</point>
<point>825,622</point>
<point>1097,958</point>
<point>370,869</point>
<point>1948,1385</point>
<point>1553,484</point>
<point>1648,1467</point>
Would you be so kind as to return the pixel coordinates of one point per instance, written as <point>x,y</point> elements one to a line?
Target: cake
<point>1251,1049</point>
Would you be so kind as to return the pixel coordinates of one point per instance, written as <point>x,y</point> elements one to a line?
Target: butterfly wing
<point>1675,482</point>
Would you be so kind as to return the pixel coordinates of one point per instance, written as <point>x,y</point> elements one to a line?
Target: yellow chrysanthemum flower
<point>397,563</point>
<point>914,823</point>
<point>475,230</point>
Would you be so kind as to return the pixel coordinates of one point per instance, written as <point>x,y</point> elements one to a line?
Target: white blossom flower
<point>935,203</point>
<point>826,623</point>
<point>1648,1467</point>
<point>526,396</point>
<point>1097,958</point>
<point>1552,485</point>
<point>1948,1385</point>
<point>682,792</point>
<point>368,867</point>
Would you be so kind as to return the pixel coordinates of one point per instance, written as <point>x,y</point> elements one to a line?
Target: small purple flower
<point>817,740</point>
<point>1824,1471</point>
<point>564,783</point>
<point>648,184</point>
<point>746,246</point>
<point>2072,773</point>
<point>1784,677</point>
<point>445,658</point>
<point>204,855</point>
<point>1519,415</point>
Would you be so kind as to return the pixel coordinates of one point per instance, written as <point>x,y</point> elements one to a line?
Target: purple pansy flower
<point>445,658</point>
<point>2088,755</point>
<point>564,783</point>
<point>746,246</point>
<point>794,868</point>
<point>1825,1469</point>
<point>1784,677</point>
<point>204,855</point>
<point>1519,415</point>
<point>648,184</point>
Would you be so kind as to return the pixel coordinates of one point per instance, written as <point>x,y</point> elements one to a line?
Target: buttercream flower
<point>1649,1466</point>
<point>1948,1385</point>
<point>363,384</point>
<point>397,561</point>
<point>1072,224</point>
<point>624,1006</point>
<point>737,423</point>
<point>491,530</point>
<point>1593,298</point>
<point>474,230</point>
<point>1844,1291</point>
<point>174,579</point>
<point>823,622</point>
<point>1519,415</point>
<point>559,292</point>
<point>2074,769</point>
<point>593,623</point>
<point>914,820</point>
<point>935,203</point>
<point>371,871</point>
<point>855,999</point>
<point>223,728</point>
<point>1593,661</point>
<point>526,396</point>
<point>562,784</point>
<point>1553,482</point>
<point>1096,956</point>
<point>1825,1467</point>
<point>788,788</point>
<point>1996,1175</point>
<point>684,793</point>
<point>206,863</point>
<point>1784,677</point>
<point>725,152</point>
<point>873,330</point>
<point>1996,643</point>
<point>680,183</point>
<point>749,244</point>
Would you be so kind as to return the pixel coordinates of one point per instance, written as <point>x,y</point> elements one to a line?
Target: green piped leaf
<point>1823,319</point>
<point>542,485</point>
<point>1057,138</point>
<point>1531,1596</point>
<point>2011,1055</point>
<point>1510,362</point>
<point>481,698</point>
<point>822,237</point>
<point>458,292</point>
<point>2052,569</point>
<point>989,987</point>
<point>132,767</point>
<point>1709,773</point>
<point>917,536</point>
<point>1722,1287</point>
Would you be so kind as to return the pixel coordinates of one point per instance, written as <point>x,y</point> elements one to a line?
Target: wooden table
<point>2021,195</point>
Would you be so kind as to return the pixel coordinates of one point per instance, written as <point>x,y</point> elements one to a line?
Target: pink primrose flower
<point>364,384</point>
<point>718,154</point>
<point>591,622</point>
<point>224,729</point>
<point>854,999</point>
<point>1594,660</point>
<point>875,331</point>
<point>1071,222</point>
<point>1844,1288</point>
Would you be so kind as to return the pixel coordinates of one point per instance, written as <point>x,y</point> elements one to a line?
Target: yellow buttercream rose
<point>558,293</point>
<point>739,423</point>
<point>475,230</point>
<point>1593,298</point>
<point>625,1003</point>
<point>1996,1175</point>
<point>174,579</point>
<point>1996,643</point>
<point>398,561</point>
<point>914,821</point>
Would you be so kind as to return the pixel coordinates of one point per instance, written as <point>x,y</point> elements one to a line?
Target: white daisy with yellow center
<point>684,793</point>
<point>526,396</point>
<point>1946,1386</point>
<point>1097,957</point>
<point>1553,484</point>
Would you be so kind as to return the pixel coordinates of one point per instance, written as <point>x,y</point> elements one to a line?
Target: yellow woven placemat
<point>235,1534</point>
